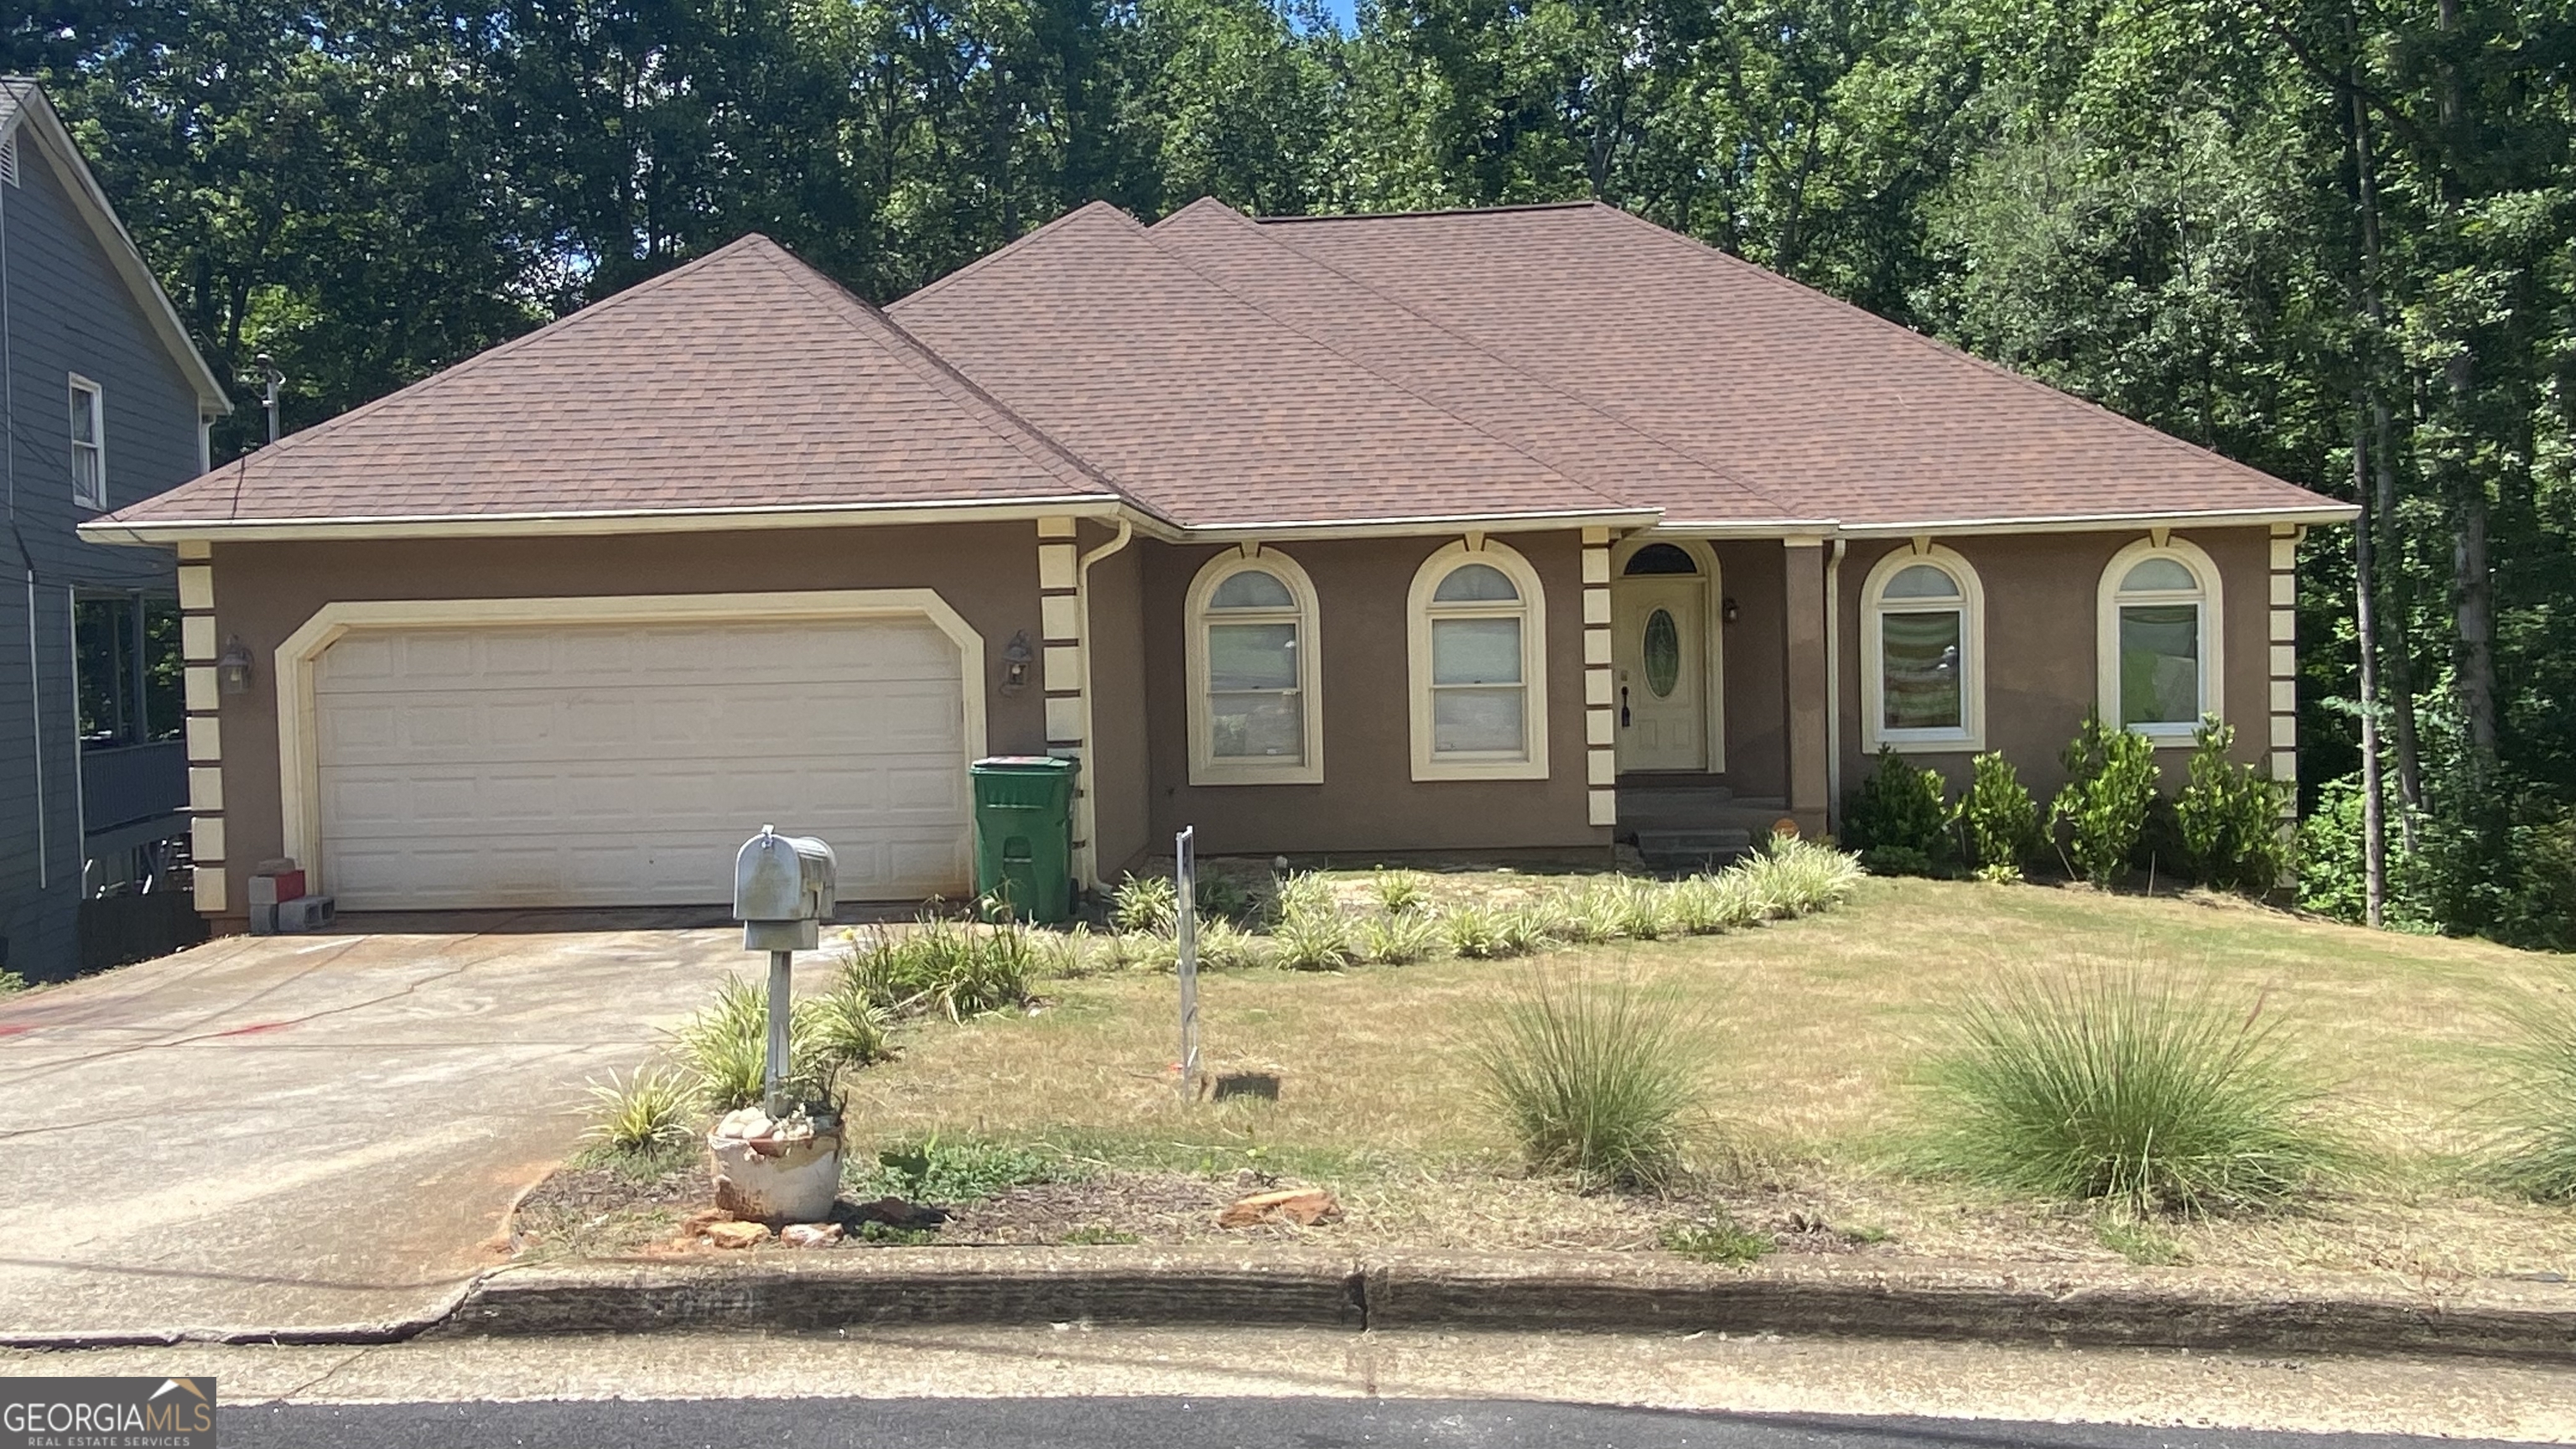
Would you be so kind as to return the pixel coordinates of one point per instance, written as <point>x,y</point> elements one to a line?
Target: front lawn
<point>1819,1025</point>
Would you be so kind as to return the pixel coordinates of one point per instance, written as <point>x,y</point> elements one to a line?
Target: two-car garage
<point>616,752</point>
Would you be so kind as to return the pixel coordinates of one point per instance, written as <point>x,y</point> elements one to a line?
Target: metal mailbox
<point>783,886</point>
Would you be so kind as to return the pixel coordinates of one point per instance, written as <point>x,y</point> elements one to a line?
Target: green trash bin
<point>1024,834</point>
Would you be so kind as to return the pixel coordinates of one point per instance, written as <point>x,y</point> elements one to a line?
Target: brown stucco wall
<point>1118,767</point>
<point>2041,595</point>
<point>1757,708</point>
<point>1368,800</point>
<point>265,591</point>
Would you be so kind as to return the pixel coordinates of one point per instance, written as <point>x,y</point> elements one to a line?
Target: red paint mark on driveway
<point>14,1028</point>
<point>255,1028</point>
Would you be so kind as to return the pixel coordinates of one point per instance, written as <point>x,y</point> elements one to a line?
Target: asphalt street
<point>1178,1423</point>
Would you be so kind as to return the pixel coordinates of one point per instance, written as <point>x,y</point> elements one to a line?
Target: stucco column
<point>1802,628</point>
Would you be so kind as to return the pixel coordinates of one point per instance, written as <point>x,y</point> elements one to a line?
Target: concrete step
<point>1692,847</point>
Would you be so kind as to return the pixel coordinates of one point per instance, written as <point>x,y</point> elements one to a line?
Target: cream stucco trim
<point>298,754</point>
<point>2210,599</point>
<point>1712,627</point>
<point>1971,732</point>
<point>1205,767</point>
<point>1531,761</point>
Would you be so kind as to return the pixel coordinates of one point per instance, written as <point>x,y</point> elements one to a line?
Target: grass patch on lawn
<point>1831,1016</point>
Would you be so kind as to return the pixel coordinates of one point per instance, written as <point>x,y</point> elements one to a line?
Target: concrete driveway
<point>298,1133</point>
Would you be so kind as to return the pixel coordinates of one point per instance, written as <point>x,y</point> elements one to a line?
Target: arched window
<point>1923,645</point>
<point>1255,715</point>
<point>1478,655</point>
<point>2159,649</point>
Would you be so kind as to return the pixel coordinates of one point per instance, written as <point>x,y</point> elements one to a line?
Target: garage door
<point>610,765</point>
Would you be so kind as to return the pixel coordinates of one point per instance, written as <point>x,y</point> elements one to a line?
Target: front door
<point>1660,658</point>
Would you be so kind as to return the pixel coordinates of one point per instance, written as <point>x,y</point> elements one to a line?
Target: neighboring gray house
<point>106,403</point>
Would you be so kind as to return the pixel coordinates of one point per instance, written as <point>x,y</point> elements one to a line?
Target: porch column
<point>1803,662</point>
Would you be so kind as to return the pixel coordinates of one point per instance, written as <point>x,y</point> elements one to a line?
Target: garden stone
<point>1304,1206</point>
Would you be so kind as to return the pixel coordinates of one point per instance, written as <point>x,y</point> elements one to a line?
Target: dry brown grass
<point>1821,1021</point>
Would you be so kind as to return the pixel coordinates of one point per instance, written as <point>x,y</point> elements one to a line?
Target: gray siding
<point>67,311</point>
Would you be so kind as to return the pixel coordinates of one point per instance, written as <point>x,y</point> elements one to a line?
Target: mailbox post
<point>783,889</point>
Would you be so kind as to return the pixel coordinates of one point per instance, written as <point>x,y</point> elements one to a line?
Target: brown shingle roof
<point>1827,410</point>
<point>1206,407</point>
<point>743,380</point>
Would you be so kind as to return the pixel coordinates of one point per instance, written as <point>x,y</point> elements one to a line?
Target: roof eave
<point>601,523</point>
<point>2324,511</point>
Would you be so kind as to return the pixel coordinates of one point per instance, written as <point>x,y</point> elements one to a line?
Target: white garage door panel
<point>624,765</point>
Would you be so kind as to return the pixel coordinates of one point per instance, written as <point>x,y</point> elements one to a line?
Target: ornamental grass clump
<point>1400,938</point>
<point>1400,892</point>
<point>646,1112</point>
<point>1144,904</point>
<point>1592,1081</point>
<point>724,1048</point>
<point>1313,938</point>
<point>1795,877</point>
<point>1487,932</point>
<point>950,967</point>
<point>2143,1091</point>
<point>2537,1156</point>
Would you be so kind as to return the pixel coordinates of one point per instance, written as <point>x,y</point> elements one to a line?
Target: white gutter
<point>1834,685</point>
<point>604,522</point>
<point>2091,523</point>
<point>1086,811</point>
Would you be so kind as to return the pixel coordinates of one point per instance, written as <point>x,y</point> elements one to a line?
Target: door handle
<point>1623,706</point>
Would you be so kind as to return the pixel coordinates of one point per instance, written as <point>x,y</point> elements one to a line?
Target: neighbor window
<point>89,445</point>
<point>2159,638</point>
<point>1922,652</point>
<point>1477,653</point>
<point>1254,713</point>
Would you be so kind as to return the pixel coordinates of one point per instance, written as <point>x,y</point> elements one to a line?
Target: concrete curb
<point>1525,1292</point>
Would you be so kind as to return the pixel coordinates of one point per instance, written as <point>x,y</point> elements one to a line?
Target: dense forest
<point>2331,238</point>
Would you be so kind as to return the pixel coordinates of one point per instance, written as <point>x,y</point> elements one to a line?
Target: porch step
<point>1689,848</point>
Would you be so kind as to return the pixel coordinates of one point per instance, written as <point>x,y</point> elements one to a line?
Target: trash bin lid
<point>1021,764</point>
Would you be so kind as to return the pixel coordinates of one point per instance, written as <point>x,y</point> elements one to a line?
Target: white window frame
<point>83,388</point>
<point>1531,762</point>
<point>1970,733</point>
<point>1206,767</point>
<point>2209,598</point>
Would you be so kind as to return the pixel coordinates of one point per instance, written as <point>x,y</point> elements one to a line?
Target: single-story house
<point>1526,528</point>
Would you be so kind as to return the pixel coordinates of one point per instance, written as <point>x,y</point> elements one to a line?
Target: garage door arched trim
<point>298,753</point>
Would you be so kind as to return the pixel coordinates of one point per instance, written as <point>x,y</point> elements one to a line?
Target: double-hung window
<point>89,444</point>
<point>1254,711</point>
<point>1479,664</point>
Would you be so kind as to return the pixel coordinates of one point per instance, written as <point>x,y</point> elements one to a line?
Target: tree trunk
<point>2399,654</point>
<point>2374,820</point>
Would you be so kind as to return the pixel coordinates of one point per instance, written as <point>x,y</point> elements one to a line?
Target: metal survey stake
<point>1185,933</point>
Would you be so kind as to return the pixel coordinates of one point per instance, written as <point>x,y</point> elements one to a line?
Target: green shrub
<point>648,1110</point>
<point>2001,818</point>
<point>1644,910</point>
<point>1717,1238</point>
<point>1587,915</point>
<point>943,965</point>
<point>1400,938</point>
<point>1593,1081</point>
<point>2150,1093</point>
<point>935,1171</point>
<point>1901,810</point>
<point>2229,816</point>
<point>11,982</point>
<point>1225,946</point>
<point>2333,879</point>
<point>2538,1151</point>
<point>1895,860</point>
<point>1221,897</point>
<point>2110,783</point>
<point>1312,938</point>
<point>1487,932</point>
<point>1399,892</point>
<point>849,1029</point>
<point>1144,903</point>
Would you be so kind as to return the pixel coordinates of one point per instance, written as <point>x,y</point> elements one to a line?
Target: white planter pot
<point>777,1181</point>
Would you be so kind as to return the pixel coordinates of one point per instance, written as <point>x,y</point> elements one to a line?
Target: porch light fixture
<point>232,671</point>
<point>1726,610</point>
<point>1016,657</point>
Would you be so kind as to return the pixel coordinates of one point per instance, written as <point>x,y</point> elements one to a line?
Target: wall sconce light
<point>1016,657</point>
<point>1726,610</point>
<point>232,671</point>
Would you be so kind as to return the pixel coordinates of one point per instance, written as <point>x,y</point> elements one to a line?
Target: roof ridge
<point>1052,454</point>
<point>1014,244</point>
<point>1940,348</point>
<point>1498,209</point>
<point>1319,340</point>
<point>476,363</point>
<point>1670,445</point>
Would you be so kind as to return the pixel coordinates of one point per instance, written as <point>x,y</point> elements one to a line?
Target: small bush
<point>2125,1087</point>
<point>2229,815</point>
<point>2002,819</point>
<point>2111,782</point>
<point>647,1111</point>
<point>11,982</point>
<point>1901,809</point>
<point>945,966</point>
<point>1221,897</point>
<point>1718,1238</point>
<point>1588,915</point>
<point>1593,1081</point>
<point>1144,903</point>
<point>1400,938</point>
<point>1706,904</point>
<point>1399,892</point>
<point>1895,860</point>
<point>1312,939</point>
<point>2538,1153</point>
<point>849,1030</point>
<point>935,1171</point>
<point>1140,950</point>
<point>1644,910</point>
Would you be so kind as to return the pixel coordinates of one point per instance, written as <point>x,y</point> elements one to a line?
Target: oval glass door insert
<point>1663,651</point>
